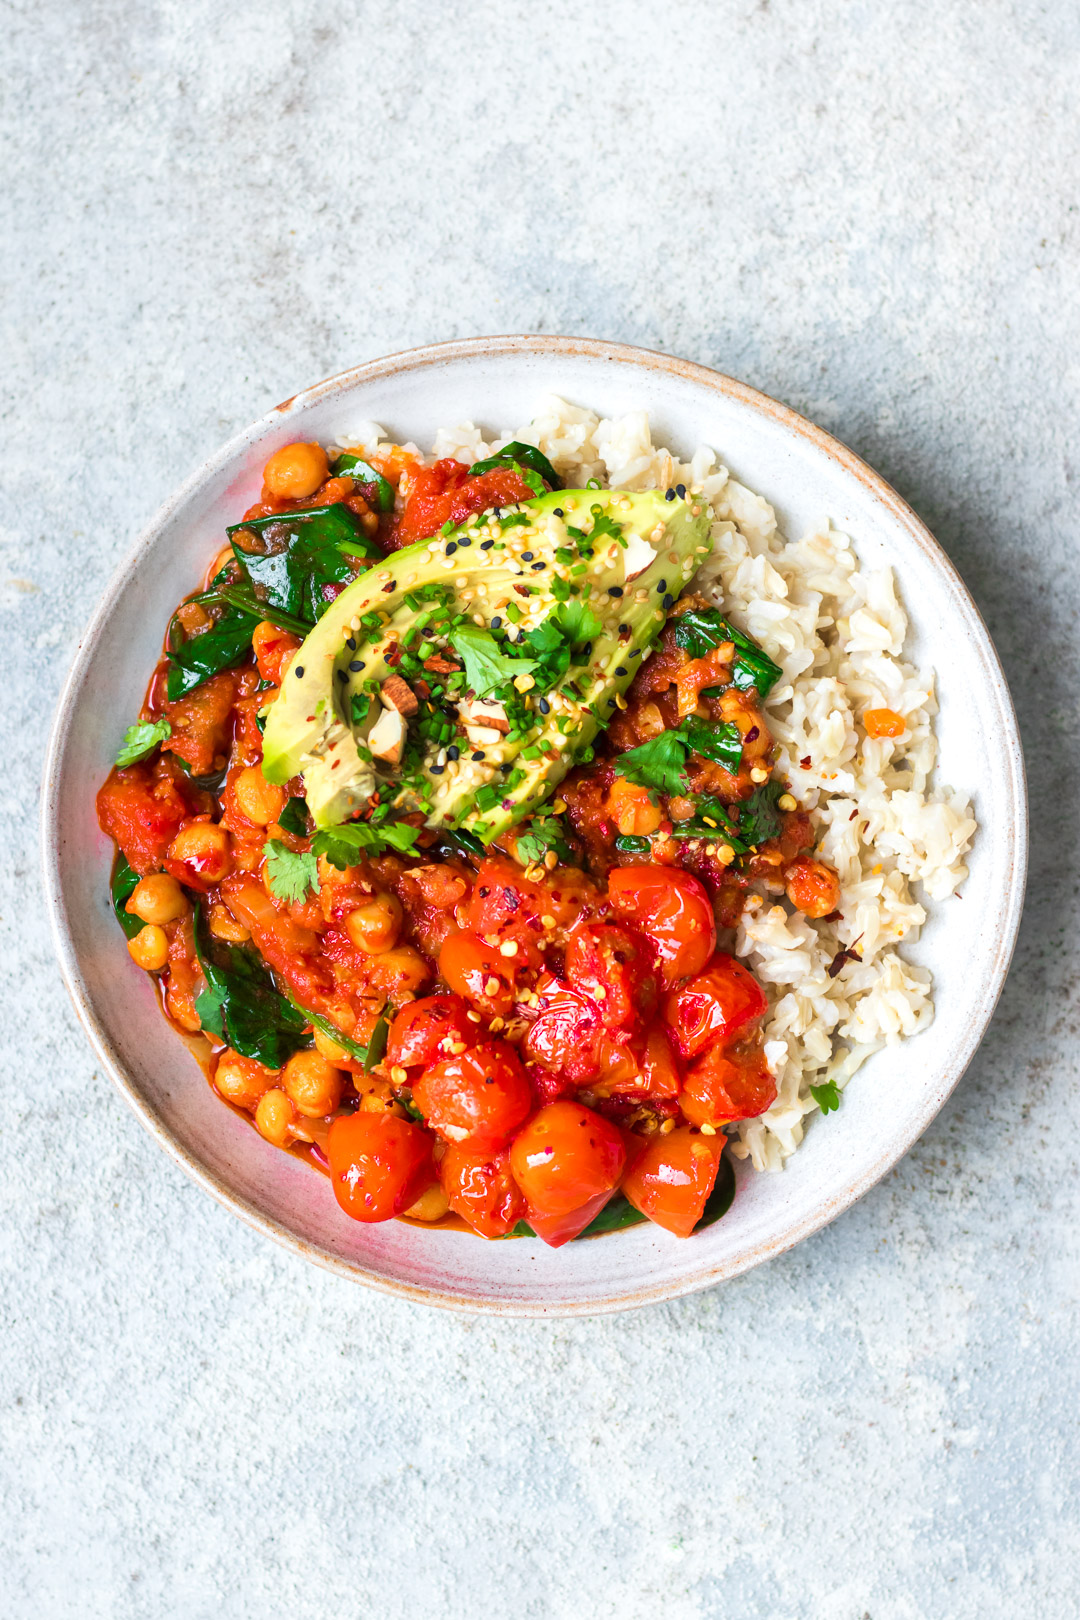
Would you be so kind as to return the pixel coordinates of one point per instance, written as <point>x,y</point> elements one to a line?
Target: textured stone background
<point>869,210</point>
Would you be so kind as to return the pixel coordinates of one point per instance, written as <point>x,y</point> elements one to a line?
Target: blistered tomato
<point>673,910</point>
<point>714,1006</point>
<point>479,1097</point>
<point>429,1029</point>
<point>567,1161</point>
<point>379,1164</point>
<point>671,1180</point>
<point>482,1190</point>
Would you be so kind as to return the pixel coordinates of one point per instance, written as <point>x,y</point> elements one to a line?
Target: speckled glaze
<point>967,944</point>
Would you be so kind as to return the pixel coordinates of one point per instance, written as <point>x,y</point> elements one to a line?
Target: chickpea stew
<point>462,937</point>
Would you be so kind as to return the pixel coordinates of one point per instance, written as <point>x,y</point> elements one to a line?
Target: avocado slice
<point>551,604</point>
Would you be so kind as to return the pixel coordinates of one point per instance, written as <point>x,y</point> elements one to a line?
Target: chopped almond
<point>397,694</point>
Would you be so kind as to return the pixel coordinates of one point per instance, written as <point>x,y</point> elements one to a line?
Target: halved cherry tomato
<point>711,1008</point>
<point>565,1159</point>
<point>671,1180</point>
<point>478,972</point>
<point>506,907</point>
<point>564,1034</point>
<point>444,493</point>
<point>479,1097</point>
<point>482,1190</point>
<point>559,1229</point>
<point>672,909</point>
<point>426,1030</point>
<point>724,1086</point>
<point>611,964</point>
<point>379,1164</point>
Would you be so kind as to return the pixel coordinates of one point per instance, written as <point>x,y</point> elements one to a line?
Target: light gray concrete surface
<point>869,210</point>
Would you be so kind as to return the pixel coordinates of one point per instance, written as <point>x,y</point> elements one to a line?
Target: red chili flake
<point>805,762</point>
<point>848,955</point>
<point>752,735</point>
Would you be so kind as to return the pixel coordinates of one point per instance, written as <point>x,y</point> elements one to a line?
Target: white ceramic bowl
<point>805,474</point>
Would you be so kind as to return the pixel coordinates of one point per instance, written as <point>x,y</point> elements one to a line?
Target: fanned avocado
<point>550,606</point>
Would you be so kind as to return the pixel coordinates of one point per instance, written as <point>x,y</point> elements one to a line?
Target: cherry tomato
<point>711,1008</point>
<point>723,1086</point>
<point>444,493</point>
<point>426,1030</point>
<point>479,1097</point>
<point>507,908</point>
<point>478,972</point>
<point>379,1164</point>
<point>565,1156</point>
<point>559,1229</point>
<point>643,1069</point>
<point>671,1180</point>
<point>563,1036</point>
<point>482,1190</point>
<point>673,910</point>
<point>611,964</point>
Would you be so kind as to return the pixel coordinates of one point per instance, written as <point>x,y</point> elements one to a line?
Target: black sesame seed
<point>299,671</point>
<point>669,495</point>
<point>558,512</point>
<point>453,752</point>
<point>544,706</point>
<point>355,665</point>
<point>621,669</point>
<point>451,547</point>
<point>636,653</point>
<point>668,603</point>
<point>350,642</point>
<point>586,651</point>
<point>496,623</point>
<point>614,590</point>
<point>486,545</point>
<point>506,769</point>
<point>341,675</point>
<point>437,770</point>
<point>464,541</point>
<point>680,490</point>
<point>479,754</point>
<point>611,703</point>
<point>661,586</point>
<point>538,565</point>
<point>526,556</point>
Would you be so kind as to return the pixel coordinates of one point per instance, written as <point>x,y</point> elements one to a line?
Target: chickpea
<point>379,1099</point>
<point>296,471</point>
<point>256,798</point>
<point>398,973</point>
<point>157,899</point>
<point>330,1049</point>
<point>375,927</point>
<point>241,1080</point>
<point>273,1116</point>
<point>150,948</point>
<point>431,1205</point>
<point>632,809</point>
<point>205,849</point>
<point>313,1084</point>
<point>223,925</point>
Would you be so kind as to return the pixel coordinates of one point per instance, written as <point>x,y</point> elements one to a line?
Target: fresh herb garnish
<point>343,845</point>
<point>659,764</point>
<point>292,877</point>
<point>632,844</point>
<point>241,1004</point>
<point>141,739</point>
<point>759,818</point>
<point>604,523</point>
<point>700,630</point>
<point>123,883</point>
<point>519,455</point>
<point>542,834</point>
<point>487,667</point>
<point>827,1096</point>
<point>721,742</point>
<point>557,642</point>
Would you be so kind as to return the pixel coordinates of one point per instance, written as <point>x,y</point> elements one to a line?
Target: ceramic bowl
<point>967,944</point>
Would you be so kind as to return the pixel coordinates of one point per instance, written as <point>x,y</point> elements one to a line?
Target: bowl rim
<point>648,360</point>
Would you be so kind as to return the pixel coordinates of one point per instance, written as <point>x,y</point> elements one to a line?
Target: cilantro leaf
<point>343,845</point>
<point>555,641</point>
<point>826,1096</point>
<point>141,739</point>
<point>292,876</point>
<point>659,764</point>
<point>486,665</point>
<point>541,835</point>
<point>604,523</point>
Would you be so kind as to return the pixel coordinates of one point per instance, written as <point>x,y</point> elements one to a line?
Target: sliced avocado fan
<point>465,675</point>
